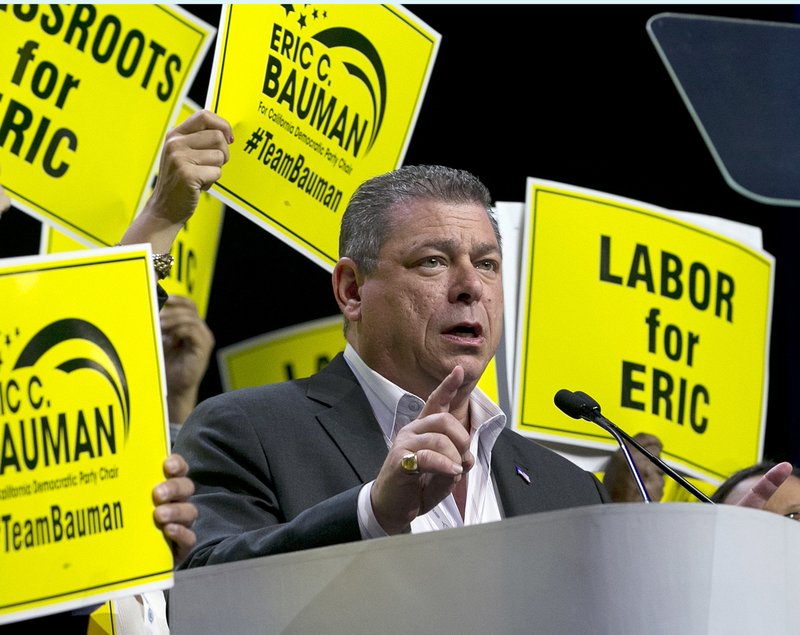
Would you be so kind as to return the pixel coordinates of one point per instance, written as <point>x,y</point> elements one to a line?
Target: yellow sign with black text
<point>195,248</point>
<point>665,323</point>
<point>88,93</point>
<point>290,353</point>
<point>320,97</point>
<point>84,432</point>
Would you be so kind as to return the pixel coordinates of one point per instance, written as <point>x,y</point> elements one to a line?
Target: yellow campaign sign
<point>195,248</point>
<point>88,93</point>
<point>291,353</point>
<point>84,432</point>
<point>320,97</point>
<point>296,352</point>
<point>665,323</point>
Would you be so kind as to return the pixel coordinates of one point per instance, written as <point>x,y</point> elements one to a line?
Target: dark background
<point>570,93</point>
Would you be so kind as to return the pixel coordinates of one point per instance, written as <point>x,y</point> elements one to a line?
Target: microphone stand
<point>615,432</point>
<point>591,411</point>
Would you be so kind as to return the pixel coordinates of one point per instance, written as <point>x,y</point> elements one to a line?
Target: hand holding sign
<point>173,513</point>
<point>191,161</point>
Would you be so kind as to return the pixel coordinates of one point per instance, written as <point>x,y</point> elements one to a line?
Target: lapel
<point>348,418</point>
<point>518,494</point>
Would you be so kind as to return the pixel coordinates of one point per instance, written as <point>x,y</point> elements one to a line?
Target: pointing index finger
<point>443,394</point>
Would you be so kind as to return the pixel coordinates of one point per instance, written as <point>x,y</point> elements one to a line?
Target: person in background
<point>785,501</point>
<point>617,474</point>
<point>191,160</point>
<point>622,488</point>
<point>187,342</point>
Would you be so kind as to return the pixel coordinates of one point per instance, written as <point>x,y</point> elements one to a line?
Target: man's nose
<point>467,285</point>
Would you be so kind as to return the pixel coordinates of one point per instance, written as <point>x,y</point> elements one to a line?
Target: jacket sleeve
<point>253,494</point>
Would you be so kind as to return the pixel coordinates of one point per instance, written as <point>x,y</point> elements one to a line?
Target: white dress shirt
<point>394,408</point>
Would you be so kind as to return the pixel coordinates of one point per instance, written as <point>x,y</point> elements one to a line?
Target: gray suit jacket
<point>278,468</point>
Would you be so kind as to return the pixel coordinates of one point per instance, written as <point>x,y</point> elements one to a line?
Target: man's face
<point>435,299</point>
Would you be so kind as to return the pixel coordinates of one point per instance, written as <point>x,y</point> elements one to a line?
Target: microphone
<point>579,405</point>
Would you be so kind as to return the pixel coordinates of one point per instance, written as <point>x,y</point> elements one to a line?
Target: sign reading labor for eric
<point>663,322</point>
<point>87,93</point>
<point>320,97</point>
<point>83,431</point>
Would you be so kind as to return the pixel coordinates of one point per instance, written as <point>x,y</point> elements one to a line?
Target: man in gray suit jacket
<point>392,436</point>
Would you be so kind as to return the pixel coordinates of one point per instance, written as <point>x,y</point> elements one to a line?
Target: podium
<point>617,568</point>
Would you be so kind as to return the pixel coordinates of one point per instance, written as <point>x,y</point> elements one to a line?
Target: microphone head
<point>577,405</point>
<point>569,403</point>
<point>588,401</point>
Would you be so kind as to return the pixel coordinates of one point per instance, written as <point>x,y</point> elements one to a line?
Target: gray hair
<point>367,221</point>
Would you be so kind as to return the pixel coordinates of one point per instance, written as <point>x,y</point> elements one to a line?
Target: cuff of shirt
<point>367,522</point>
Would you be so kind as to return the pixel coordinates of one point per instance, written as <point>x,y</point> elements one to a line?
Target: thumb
<point>439,400</point>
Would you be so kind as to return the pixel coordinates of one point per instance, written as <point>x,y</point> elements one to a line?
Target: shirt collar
<point>394,407</point>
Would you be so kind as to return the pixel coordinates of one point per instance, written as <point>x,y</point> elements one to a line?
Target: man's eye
<point>487,265</point>
<point>432,262</point>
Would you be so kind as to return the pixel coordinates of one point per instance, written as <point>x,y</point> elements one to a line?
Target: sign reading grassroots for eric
<point>321,98</point>
<point>664,322</point>
<point>83,429</point>
<point>87,95</point>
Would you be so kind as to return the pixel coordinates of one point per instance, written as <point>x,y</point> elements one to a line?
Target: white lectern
<point>633,568</point>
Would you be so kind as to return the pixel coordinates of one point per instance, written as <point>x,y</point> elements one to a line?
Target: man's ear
<point>346,288</point>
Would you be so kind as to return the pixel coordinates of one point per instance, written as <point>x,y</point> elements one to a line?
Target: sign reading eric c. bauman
<point>320,97</point>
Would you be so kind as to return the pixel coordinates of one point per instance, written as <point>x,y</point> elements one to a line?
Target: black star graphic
<point>315,13</point>
<point>288,8</point>
<point>302,21</point>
